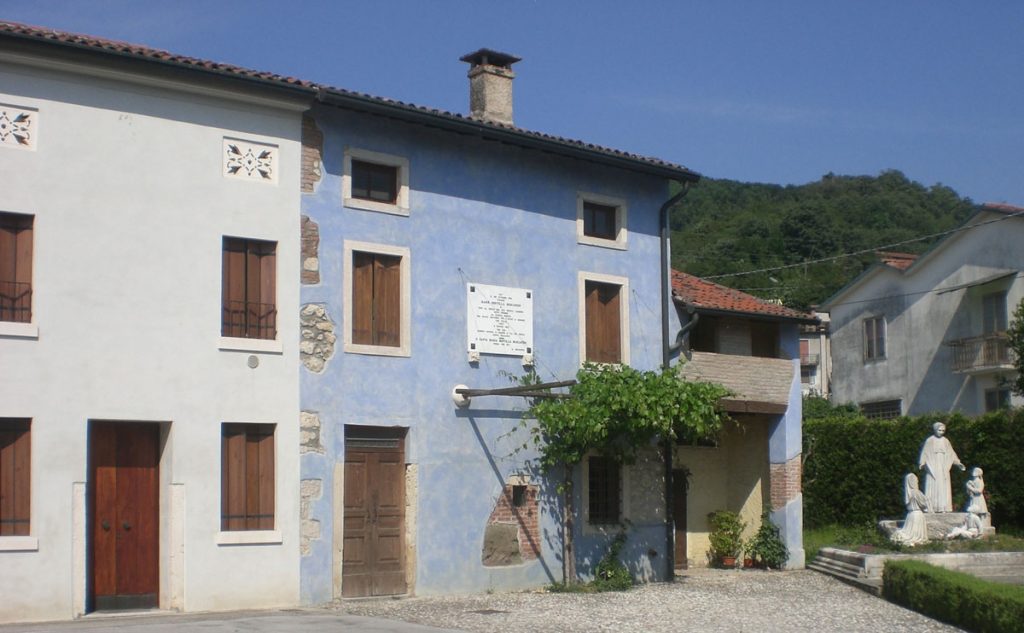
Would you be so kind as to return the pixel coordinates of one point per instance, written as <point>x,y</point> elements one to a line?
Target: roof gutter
<point>756,316</point>
<point>666,300</point>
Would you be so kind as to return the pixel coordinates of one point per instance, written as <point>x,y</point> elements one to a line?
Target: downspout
<point>666,300</point>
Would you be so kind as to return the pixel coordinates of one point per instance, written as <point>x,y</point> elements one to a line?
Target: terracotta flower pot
<point>748,563</point>
<point>728,562</point>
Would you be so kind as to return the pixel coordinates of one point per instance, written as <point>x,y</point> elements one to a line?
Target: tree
<point>1016,335</point>
<point>616,411</point>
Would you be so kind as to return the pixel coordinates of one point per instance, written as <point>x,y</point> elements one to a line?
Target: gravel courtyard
<point>713,601</point>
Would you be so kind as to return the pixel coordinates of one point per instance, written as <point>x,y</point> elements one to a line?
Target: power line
<point>907,294</point>
<point>866,250</point>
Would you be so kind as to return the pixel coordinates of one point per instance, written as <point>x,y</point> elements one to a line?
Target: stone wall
<point>318,338</point>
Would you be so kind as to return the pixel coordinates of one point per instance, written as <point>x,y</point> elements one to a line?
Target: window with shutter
<point>874,338</point>
<point>377,288</point>
<point>249,289</point>
<point>16,267</point>
<point>247,477</point>
<point>15,476</point>
<point>601,221</point>
<point>374,181</point>
<point>603,323</point>
<point>993,312</point>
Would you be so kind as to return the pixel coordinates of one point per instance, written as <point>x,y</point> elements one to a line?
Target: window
<point>600,221</point>
<point>996,399</point>
<point>806,375</point>
<point>764,339</point>
<point>993,312</point>
<point>15,267</point>
<point>874,338</point>
<point>883,409</point>
<point>375,182</point>
<point>15,476</point>
<point>603,491</point>
<point>247,477</point>
<point>378,299</point>
<point>703,335</point>
<point>604,312</point>
<point>249,308</point>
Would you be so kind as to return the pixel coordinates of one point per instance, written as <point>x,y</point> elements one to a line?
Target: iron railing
<point>249,319</point>
<point>980,352</point>
<point>809,359</point>
<point>16,301</point>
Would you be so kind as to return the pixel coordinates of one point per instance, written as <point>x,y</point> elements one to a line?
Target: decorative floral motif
<point>249,160</point>
<point>16,127</point>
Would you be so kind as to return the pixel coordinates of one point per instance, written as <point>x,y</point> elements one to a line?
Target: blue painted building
<point>408,215</point>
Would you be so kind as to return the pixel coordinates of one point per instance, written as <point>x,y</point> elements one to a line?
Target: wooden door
<point>124,486</point>
<point>679,489</point>
<point>373,549</point>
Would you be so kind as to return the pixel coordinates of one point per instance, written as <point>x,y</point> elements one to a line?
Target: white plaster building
<point>816,357</point>
<point>929,335</point>
<point>149,205</point>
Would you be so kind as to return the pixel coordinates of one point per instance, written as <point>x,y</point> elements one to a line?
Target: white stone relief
<point>18,126</point>
<point>250,161</point>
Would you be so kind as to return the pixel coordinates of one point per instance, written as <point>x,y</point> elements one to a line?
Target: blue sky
<point>779,92</point>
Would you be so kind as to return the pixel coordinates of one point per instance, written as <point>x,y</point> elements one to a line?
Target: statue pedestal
<point>940,525</point>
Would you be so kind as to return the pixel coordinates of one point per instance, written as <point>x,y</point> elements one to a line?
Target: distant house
<point>816,357</point>
<point>752,347</point>
<point>911,336</point>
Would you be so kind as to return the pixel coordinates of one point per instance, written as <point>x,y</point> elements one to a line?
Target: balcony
<point>15,301</point>
<point>809,359</point>
<point>980,354</point>
<point>249,319</point>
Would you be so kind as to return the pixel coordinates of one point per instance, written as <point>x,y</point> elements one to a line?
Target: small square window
<point>374,181</point>
<point>518,496</point>
<point>996,399</point>
<point>882,410</point>
<point>247,477</point>
<point>601,221</point>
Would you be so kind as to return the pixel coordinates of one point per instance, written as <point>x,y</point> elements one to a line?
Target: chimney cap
<point>488,57</point>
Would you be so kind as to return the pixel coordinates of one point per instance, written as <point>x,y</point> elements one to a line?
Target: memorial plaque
<point>499,320</point>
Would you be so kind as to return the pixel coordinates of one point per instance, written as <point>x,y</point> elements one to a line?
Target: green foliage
<point>611,574</point>
<point>954,597</point>
<point>727,226</point>
<point>817,407</point>
<point>726,534</point>
<point>617,410</point>
<point>767,548</point>
<point>1016,334</point>
<point>853,467</point>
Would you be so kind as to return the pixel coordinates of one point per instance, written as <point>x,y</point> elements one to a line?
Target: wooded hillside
<point>726,226</point>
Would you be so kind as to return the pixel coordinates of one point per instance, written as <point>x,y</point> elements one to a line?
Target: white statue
<point>915,526</point>
<point>937,457</point>
<point>976,493</point>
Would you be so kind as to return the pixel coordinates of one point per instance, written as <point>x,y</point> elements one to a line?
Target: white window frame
<point>885,338</point>
<point>623,282</point>
<point>621,233</point>
<point>401,204</point>
<point>350,247</point>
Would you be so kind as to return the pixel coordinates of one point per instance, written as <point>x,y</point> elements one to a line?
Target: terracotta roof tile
<point>900,261</point>
<point>152,54</point>
<point>1001,207</point>
<point>701,293</point>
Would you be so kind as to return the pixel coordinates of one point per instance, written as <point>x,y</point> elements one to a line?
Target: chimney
<point>490,85</point>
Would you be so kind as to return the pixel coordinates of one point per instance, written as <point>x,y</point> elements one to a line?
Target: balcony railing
<point>16,301</point>
<point>809,359</point>
<point>979,353</point>
<point>249,319</point>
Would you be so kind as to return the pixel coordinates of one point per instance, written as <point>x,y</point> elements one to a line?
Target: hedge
<point>954,597</point>
<point>854,467</point>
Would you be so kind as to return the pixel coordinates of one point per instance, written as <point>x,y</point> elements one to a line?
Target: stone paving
<point>711,601</point>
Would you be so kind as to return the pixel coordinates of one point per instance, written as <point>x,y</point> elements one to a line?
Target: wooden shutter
<point>15,477</point>
<point>247,477</point>
<point>233,478</point>
<point>387,300</point>
<point>233,288</point>
<point>362,298</point>
<point>15,267</point>
<point>263,503</point>
<point>604,334</point>
<point>267,296</point>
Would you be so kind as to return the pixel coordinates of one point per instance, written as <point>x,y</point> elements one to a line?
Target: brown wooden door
<point>679,489</point>
<point>373,551</point>
<point>124,485</point>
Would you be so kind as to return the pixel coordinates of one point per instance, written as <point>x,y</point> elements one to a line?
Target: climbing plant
<point>1016,334</point>
<point>615,411</point>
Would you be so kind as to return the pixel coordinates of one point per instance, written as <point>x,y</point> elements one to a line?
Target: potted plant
<point>726,537</point>
<point>767,549</point>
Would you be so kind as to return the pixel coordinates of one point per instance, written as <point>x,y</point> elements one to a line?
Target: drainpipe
<point>666,300</point>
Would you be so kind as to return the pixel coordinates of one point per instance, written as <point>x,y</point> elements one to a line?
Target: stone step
<point>838,567</point>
